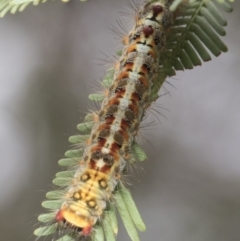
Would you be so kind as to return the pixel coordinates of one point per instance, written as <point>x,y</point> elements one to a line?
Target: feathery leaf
<point>14,6</point>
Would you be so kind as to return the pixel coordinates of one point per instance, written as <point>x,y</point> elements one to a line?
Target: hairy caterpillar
<point>109,146</point>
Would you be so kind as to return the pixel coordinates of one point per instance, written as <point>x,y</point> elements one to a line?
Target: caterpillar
<point>110,143</point>
<point>109,146</point>
<point>112,136</point>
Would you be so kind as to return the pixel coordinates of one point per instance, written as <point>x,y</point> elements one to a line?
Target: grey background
<point>187,190</point>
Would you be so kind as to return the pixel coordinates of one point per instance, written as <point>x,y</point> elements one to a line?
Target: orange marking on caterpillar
<point>125,40</point>
<point>95,117</point>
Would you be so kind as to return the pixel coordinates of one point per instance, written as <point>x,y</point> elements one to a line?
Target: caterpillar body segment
<point>108,147</point>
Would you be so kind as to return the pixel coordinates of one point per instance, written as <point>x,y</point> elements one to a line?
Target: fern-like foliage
<point>14,6</point>
<point>195,34</point>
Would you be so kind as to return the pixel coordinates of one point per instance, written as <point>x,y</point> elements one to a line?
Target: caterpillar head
<point>79,223</point>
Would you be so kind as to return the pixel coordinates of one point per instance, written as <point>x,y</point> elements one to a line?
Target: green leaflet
<point>74,153</point>
<point>67,162</point>
<point>66,238</point>
<point>62,181</point>
<point>206,40</point>
<point>78,139</point>
<point>132,209</point>
<point>170,72</point>
<point>138,152</point>
<point>85,127</point>
<point>204,25</point>
<point>89,117</point>
<point>175,4</point>
<point>98,234</point>
<point>216,13</point>
<point>191,53</point>
<point>113,218</point>
<point>178,65</point>
<point>126,218</point>
<point>119,53</point>
<point>212,21</point>
<point>44,231</point>
<point>52,204</point>
<point>57,194</point>
<point>108,78</point>
<point>197,44</point>
<point>185,59</point>
<point>65,174</point>
<point>225,6</point>
<point>97,97</point>
<point>107,227</point>
<point>47,217</point>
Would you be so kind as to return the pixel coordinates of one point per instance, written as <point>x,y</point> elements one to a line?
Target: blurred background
<point>51,58</point>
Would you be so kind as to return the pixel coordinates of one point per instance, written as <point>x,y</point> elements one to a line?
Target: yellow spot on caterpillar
<point>77,195</point>
<point>85,177</point>
<point>103,183</point>
<point>92,203</point>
